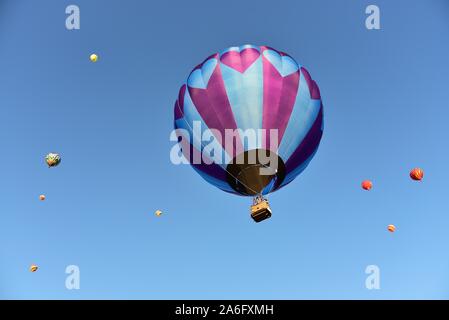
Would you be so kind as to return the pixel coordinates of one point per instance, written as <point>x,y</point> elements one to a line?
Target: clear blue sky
<point>386,99</point>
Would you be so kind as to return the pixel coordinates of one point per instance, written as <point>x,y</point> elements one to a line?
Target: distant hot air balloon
<point>367,185</point>
<point>158,213</point>
<point>33,268</point>
<point>256,89</point>
<point>52,159</point>
<point>93,57</point>
<point>42,197</point>
<point>417,174</point>
<point>391,228</point>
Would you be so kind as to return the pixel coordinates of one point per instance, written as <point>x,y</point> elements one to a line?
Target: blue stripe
<point>245,95</point>
<point>304,114</point>
<point>298,170</point>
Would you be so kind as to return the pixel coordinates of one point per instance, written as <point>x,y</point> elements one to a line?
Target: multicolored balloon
<point>53,159</point>
<point>249,87</point>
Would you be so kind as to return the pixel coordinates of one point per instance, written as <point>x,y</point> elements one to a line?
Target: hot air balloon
<point>391,228</point>
<point>93,57</point>
<point>417,174</point>
<point>367,185</point>
<point>52,159</point>
<point>42,197</point>
<point>33,268</point>
<point>249,91</point>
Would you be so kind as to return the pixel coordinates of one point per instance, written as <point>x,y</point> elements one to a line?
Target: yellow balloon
<point>93,57</point>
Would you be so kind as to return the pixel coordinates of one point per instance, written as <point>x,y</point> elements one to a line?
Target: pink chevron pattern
<point>240,61</point>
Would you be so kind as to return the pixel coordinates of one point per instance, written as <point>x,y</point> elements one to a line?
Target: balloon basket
<point>260,210</point>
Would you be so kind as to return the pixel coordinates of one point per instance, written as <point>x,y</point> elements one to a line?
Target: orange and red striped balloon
<point>417,174</point>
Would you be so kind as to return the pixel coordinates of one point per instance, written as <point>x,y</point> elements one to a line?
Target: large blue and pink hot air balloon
<point>249,87</point>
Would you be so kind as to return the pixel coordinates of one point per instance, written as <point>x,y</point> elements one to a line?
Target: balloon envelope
<point>417,174</point>
<point>52,159</point>
<point>249,89</point>
<point>367,185</point>
<point>391,228</point>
